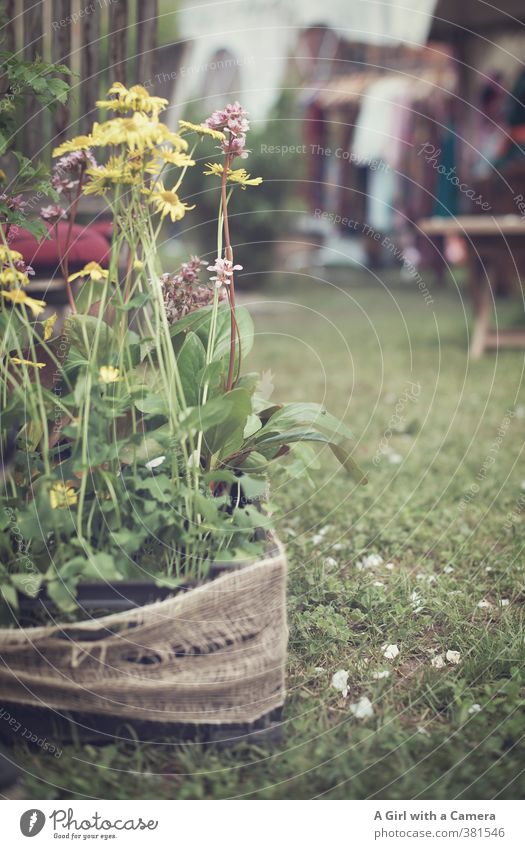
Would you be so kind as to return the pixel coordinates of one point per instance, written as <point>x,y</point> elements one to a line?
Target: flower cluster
<point>69,171</point>
<point>140,145</point>
<point>135,99</point>
<point>224,269</point>
<point>233,122</point>
<point>15,203</point>
<point>182,291</point>
<point>52,213</point>
<point>14,276</point>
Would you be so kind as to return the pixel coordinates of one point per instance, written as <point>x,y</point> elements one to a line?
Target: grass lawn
<point>442,442</point>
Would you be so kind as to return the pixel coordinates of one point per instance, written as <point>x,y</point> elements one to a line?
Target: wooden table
<point>496,247</point>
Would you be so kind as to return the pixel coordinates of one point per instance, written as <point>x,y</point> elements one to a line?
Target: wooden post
<point>90,71</point>
<point>61,51</point>
<point>147,15</point>
<point>118,54</point>
<point>10,31</point>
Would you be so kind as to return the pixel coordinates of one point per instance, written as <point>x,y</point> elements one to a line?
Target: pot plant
<point>141,579</point>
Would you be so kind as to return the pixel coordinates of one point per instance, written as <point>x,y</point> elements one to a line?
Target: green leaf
<point>227,436</point>
<point>9,594</point>
<point>153,404</point>
<point>88,293</point>
<point>28,584</point>
<point>191,360</point>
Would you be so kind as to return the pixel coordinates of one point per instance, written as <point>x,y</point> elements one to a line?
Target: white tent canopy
<point>253,38</point>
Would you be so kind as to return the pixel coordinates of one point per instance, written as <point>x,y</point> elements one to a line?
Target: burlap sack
<point>214,654</point>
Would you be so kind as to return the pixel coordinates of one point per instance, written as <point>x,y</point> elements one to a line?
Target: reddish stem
<point>64,259</point>
<point>234,330</point>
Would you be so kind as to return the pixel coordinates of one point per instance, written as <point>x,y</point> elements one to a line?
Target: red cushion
<point>86,245</point>
<point>104,226</point>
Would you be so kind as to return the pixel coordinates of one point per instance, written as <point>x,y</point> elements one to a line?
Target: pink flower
<point>233,122</point>
<point>52,213</point>
<point>233,118</point>
<point>224,269</point>
<point>236,146</point>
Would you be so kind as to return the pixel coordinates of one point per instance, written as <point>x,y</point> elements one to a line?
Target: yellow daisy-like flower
<point>7,255</point>
<point>18,362</point>
<point>175,157</point>
<point>12,277</point>
<point>78,143</point>
<point>238,175</point>
<point>18,296</point>
<point>93,270</point>
<point>138,132</point>
<point>167,202</point>
<point>49,325</point>
<point>138,265</point>
<point>118,169</point>
<point>244,179</point>
<point>61,495</point>
<point>108,374</point>
<point>202,130</point>
<point>136,99</point>
<point>214,168</point>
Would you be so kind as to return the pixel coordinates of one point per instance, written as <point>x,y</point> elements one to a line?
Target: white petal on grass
<point>484,603</point>
<point>330,561</point>
<point>448,569</point>
<point>389,566</point>
<point>416,601</point>
<point>157,461</point>
<point>340,681</point>
<point>422,730</point>
<point>438,662</point>
<point>390,651</point>
<point>317,539</point>
<point>380,674</point>
<point>504,602</point>
<point>370,562</point>
<point>362,709</point>
<point>395,459</point>
<point>453,656</point>
<point>338,546</point>
<point>474,709</point>
<point>378,584</point>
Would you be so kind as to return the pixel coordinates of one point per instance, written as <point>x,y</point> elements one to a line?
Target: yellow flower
<point>239,175</point>
<point>118,169</point>
<point>18,296</point>
<point>215,168</point>
<point>137,99</point>
<point>167,202</point>
<point>93,270</point>
<point>61,495</point>
<point>7,255</point>
<point>138,265</point>
<point>108,374</point>
<point>12,277</point>
<point>78,143</point>
<point>3,176</point>
<point>49,325</point>
<point>138,132</point>
<point>174,157</point>
<point>202,130</point>
<point>19,362</point>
